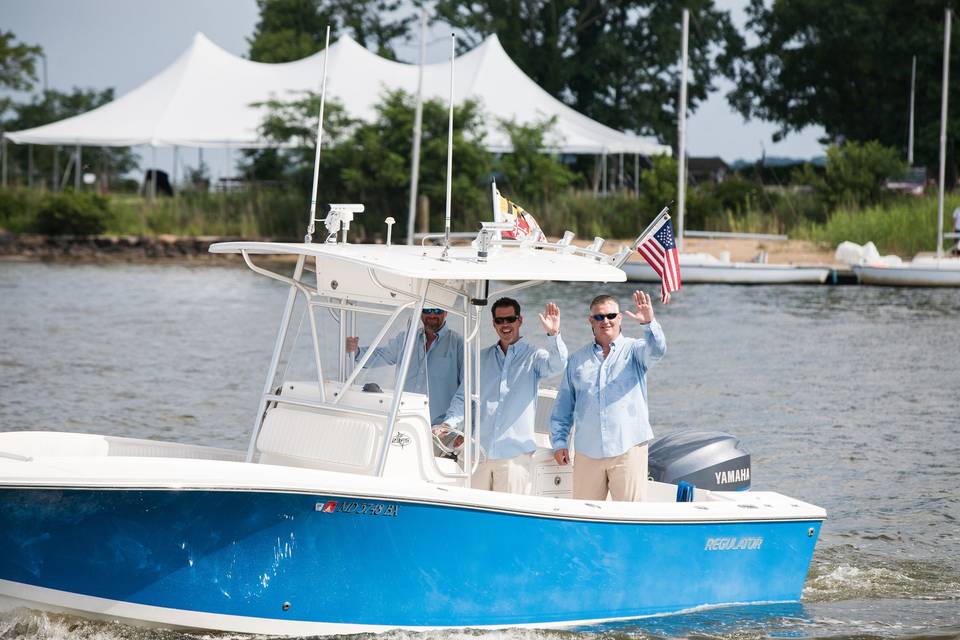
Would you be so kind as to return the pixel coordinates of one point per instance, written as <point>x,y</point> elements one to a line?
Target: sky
<point>96,44</point>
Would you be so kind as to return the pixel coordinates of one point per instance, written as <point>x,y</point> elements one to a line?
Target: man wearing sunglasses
<point>436,366</point>
<point>510,374</point>
<point>604,394</point>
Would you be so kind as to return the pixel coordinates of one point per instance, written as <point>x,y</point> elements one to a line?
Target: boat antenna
<point>446,219</point>
<point>311,227</point>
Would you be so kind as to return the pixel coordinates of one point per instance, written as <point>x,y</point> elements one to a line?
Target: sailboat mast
<point>682,131</point>
<point>913,88</point>
<point>417,129</point>
<point>943,127</point>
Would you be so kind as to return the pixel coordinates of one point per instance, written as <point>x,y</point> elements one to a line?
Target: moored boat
<point>703,268</point>
<point>920,272</point>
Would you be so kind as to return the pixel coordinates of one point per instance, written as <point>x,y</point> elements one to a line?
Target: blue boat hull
<point>332,559</point>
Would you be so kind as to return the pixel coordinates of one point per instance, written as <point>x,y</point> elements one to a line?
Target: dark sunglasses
<point>505,319</point>
<point>609,316</point>
<point>432,312</point>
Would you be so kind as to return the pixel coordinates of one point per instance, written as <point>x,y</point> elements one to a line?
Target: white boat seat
<point>319,439</point>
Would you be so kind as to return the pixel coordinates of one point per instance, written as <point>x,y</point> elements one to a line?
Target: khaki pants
<point>624,476</point>
<point>510,475</point>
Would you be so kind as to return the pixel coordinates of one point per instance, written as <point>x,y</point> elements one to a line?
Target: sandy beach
<point>798,252</point>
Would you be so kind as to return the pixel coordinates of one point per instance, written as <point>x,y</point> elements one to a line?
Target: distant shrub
<point>855,175</point>
<point>70,213</point>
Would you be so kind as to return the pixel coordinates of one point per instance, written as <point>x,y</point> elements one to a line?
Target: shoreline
<point>169,248</point>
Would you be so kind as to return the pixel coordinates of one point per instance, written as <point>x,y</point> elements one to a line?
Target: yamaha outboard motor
<point>706,459</point>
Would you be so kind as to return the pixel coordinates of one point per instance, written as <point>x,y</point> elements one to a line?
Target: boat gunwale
<point>452,504</point>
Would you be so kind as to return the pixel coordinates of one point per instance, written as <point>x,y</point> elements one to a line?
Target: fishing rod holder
<point>488,233</point>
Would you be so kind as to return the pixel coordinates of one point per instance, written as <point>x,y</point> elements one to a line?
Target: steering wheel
<point>445,437</point>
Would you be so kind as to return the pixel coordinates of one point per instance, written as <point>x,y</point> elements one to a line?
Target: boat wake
<point>845,573</point>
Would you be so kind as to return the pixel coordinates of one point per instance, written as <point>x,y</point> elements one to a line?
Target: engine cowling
<point>711,460</point>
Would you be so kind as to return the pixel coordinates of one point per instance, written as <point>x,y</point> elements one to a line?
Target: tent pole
<point>54,180</point>
<point>620,175</point>
<point>153,176</point>
<point>3,158</point>
<point>417,130</point>
<point>636,175</point>
<point>173,177</point>
<point>604,172</point>
<point>30,166</point>
<point>77,169</point>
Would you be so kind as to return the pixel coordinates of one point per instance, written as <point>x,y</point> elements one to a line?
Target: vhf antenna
<point>311,227</point>
<point>446,220</point>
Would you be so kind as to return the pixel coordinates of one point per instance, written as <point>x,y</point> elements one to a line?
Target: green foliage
<point>70,213</point>
<point>611,217</point>
<point>613,61</point>
<point>18,66</point>
<point>530,173</point>
<point>658,184</point>
<point>369,162</point>
<point>846,66</point>
<point>18,210</point>
<point>256,213</point>
<point>904,227</point>
<point>294,29</point>
<point>855,175</point>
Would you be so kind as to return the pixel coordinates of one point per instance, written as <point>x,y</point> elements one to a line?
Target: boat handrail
<point>276,276</point>
<point>376,341</point>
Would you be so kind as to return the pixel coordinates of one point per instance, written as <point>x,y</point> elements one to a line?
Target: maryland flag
<point>524,225</point>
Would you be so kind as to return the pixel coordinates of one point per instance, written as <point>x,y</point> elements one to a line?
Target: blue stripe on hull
<point>249,553</point>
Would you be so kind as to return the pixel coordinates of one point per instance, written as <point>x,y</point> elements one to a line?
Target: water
<point>847,397</point>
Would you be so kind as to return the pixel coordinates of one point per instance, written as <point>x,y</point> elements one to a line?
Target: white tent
<point>206,97</point>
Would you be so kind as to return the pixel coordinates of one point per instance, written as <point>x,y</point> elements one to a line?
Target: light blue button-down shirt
<point>437,372</point>
<point>509,383</point>
<point>606,398</point>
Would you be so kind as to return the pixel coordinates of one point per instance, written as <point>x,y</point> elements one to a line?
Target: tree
<point>531,175</point>
<point>294,29</point>
<point>17,66</point>
<point>615,61</point>
<point>369,162</point>
<point>53,106</point>
<point>846,66</point>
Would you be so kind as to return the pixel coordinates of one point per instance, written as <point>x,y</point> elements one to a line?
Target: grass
<point>905,226</point>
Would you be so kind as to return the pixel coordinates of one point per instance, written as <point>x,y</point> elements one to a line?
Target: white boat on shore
<point>703,268</point>
<point>920,272</point>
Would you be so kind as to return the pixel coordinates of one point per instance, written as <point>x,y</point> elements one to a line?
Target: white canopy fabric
<point>206,97</point>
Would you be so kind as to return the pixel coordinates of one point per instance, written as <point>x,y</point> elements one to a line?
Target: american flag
<point>660,251</point>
